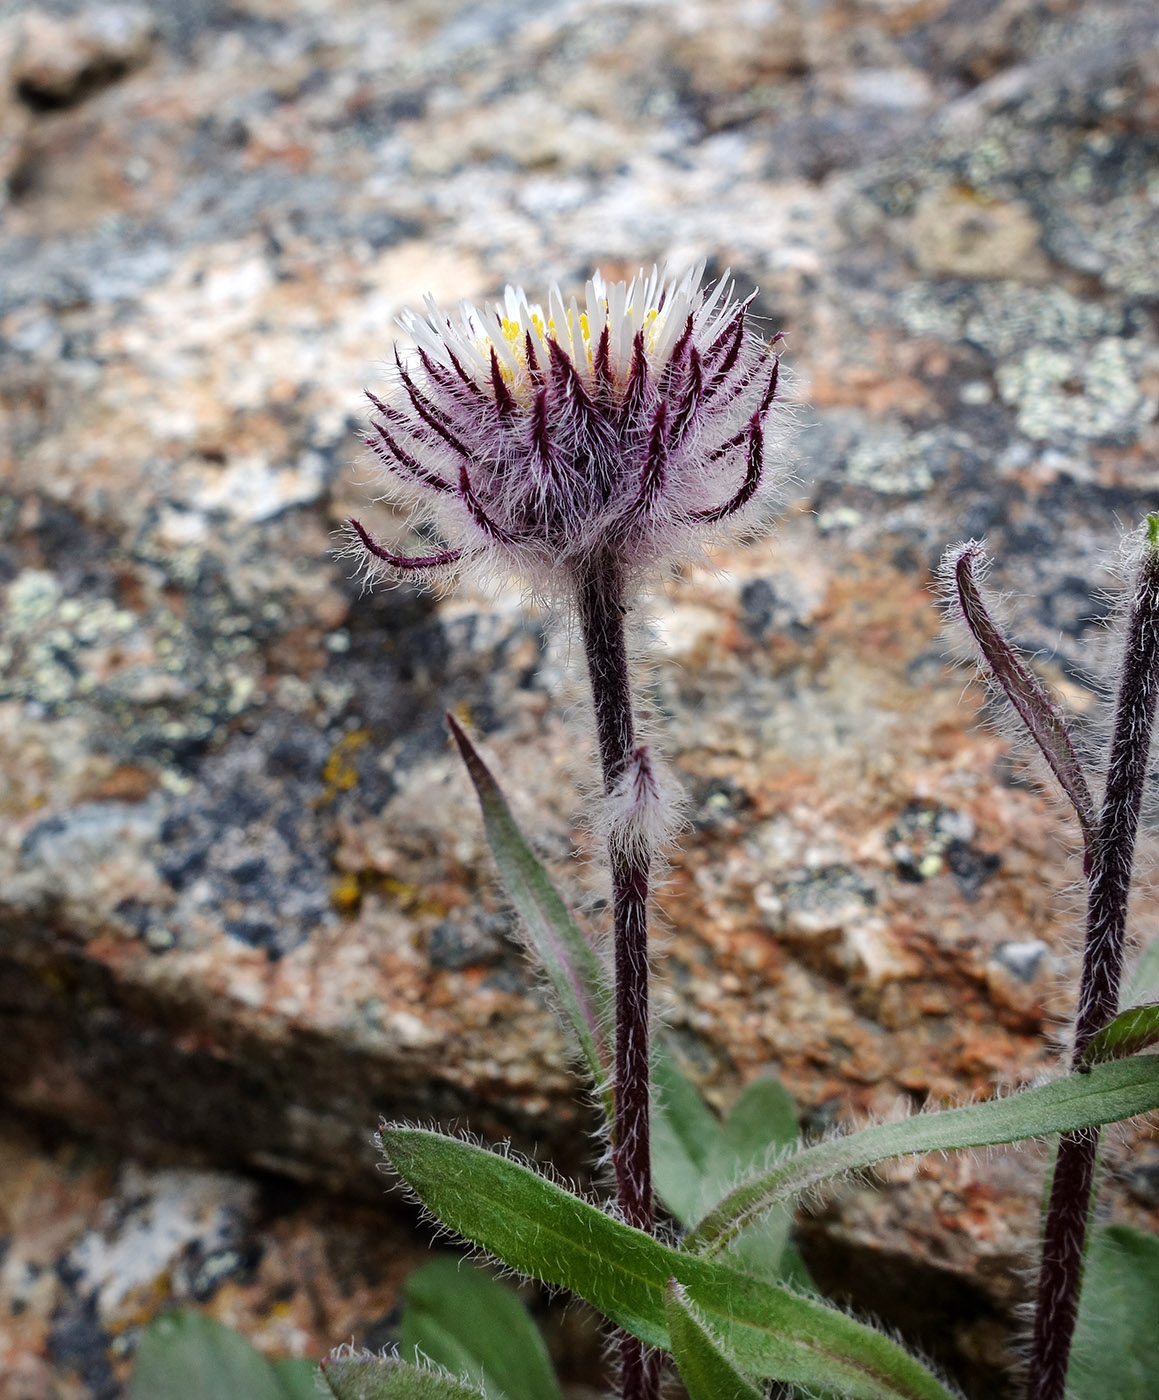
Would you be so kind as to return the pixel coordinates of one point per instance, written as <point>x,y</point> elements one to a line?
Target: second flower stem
<point>602,609</point>
<point>1111,860</point>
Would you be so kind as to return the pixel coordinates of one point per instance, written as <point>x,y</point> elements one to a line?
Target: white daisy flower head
<point>629,430</point>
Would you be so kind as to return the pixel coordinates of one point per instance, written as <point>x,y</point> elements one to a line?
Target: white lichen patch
<point>55,646</point>
<point>145,676</point>
<point>889,461</point>
<point>1004,318</point>
<point>1075,393</point>
<point>135,1250</point>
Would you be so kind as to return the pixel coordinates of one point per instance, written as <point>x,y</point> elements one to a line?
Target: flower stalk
<point>1110,861</point>
<point>602,609</point>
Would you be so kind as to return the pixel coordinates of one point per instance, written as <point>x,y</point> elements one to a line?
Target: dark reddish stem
<point>1064,1233</point>
<point>601,603</point>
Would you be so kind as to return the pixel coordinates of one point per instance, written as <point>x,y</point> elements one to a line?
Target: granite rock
<point>246,905</point>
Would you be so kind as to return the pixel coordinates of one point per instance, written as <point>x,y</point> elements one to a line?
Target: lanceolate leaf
<point>683,1131</point>
<point>1143,984</point>
<point>575,971</point>
<point>707,1373</point>
<point>763,1118</point>
<point>1107,1093</point>
<point>1041,716</point>
<point>761,1121</point>
<point>473,1326</point>
<point>188,1354</point>
<point>695,1160</point>
<point>540,1229</point>
<point>1131,1031</point>
<point>364,1376</point>
<point>1114,1343</point>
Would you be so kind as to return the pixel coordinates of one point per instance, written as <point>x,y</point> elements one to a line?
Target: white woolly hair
<point>643,811</point>
<point>641,422</point>
<point>364,1359</point>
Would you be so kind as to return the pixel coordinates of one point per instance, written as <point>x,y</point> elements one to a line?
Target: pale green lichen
<point>889,462</point>
<point>151,675</point>
<point>1065,394</point>
<point>895,461</point>
<point>1004,318</point>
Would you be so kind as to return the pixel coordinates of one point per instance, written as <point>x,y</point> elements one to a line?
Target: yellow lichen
<point>338,773</point>
<point>346,894</point>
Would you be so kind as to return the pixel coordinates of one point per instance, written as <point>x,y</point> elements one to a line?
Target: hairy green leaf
<point>540,1229</point>
<point>1113,1354</point>
<point>1131,1031</point>
<point>472,1325</point>
<point>1143,984</point>
<point>298,1379</point>
<point>763,1120</point>
<point>683,1131</point>
<point>575,971</point>
<point>186,1354</point>
<point>1107,1093</point>
<point>696,1160</point>
<point>364,1376</point>
<point>763,1117</point>
<point>706,1371</point>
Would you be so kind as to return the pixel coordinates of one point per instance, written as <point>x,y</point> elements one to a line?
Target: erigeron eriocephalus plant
<point>581,448</point>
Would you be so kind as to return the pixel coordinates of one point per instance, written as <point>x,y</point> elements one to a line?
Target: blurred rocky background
<point>246,904</point>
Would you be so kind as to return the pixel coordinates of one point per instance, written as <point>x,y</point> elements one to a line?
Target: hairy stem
<point>601,603</point>
<point>1064,1233</point>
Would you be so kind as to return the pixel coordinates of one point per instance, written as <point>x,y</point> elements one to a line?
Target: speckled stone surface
<point>246,903</point>
<point>96,1246</point>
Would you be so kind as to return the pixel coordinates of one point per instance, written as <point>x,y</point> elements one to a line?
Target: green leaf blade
<point>473,1326</point>
<point>186,1354</point>
<point>363,1376</point>
<point>1143,984</point>
<point>1113,1354</point>
<point>298,1379</point>
<point>763,1120</point>
<point>683,1132</point>
<point>696,1160</point>
<point>707,1373</point>
<point>1107,1093</point>
<point>1128,1033</point>
<point>536,1227</point>
<point>577,976</point>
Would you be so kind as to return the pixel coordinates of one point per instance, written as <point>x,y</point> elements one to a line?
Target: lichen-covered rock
<point>246,903</point>
<point>95,1247</point>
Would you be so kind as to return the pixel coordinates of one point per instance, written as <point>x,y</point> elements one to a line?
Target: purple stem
<point>1064,1233</point>
<point>601,604</point>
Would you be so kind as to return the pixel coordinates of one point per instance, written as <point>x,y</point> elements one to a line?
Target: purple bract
<point>537,442</point>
